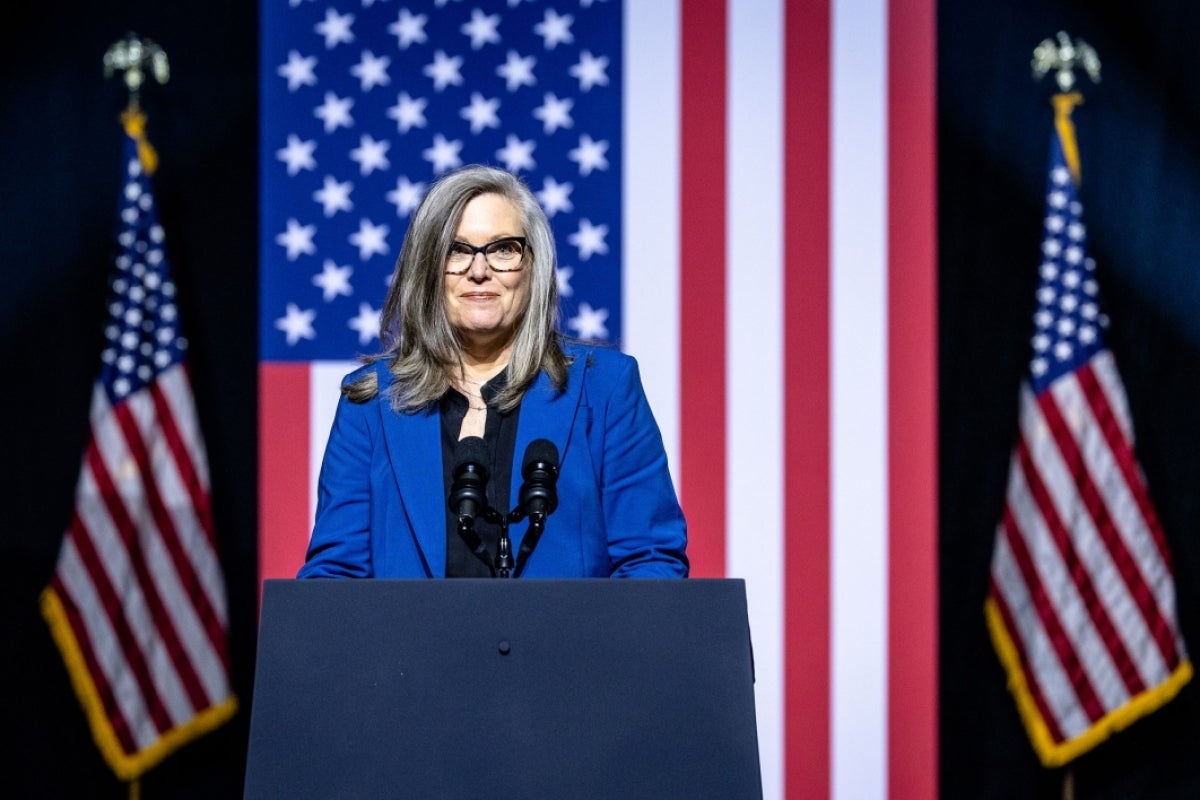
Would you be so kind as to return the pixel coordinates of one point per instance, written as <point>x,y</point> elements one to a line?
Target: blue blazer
<point>381,507</point>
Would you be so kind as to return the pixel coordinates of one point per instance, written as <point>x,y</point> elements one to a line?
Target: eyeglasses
<point>502,255</point>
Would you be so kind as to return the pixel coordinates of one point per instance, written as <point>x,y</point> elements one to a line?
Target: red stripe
<point>1122,450</point>
<point>1032,684</point>
<point>1097,507</point>
<point>87,649</point>
<point>210,619</point>
<point>702,285</point>
<point>806,396</point>
<point>912,401</point>
<point>109,598</point>
<point>184,568</point>
<point>1161,627</point>
<point>1045,610</point>
<point>283,453</point>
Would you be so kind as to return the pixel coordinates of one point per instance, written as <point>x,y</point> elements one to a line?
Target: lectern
<point>503,688</point>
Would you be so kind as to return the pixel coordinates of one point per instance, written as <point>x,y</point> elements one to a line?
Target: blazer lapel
<point>546,413</point>
<point>414,448</point>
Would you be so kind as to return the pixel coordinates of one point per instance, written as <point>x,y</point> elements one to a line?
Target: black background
<point>1139,134</point>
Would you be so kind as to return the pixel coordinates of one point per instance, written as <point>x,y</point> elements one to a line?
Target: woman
<point>471,350</point>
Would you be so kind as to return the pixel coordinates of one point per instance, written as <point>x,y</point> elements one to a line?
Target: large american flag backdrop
<point>743,196</point>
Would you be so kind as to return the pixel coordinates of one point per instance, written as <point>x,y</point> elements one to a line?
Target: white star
<point>589,324</point>
<point>298,239</point>
<point>406,196</point>
<point>586,3</point>
<point>443,154</point>
<point>517,71</point>
<point>299,71</point>
<point>554,113</point>
<point>335,28</point>
<point>335,112</point>
<point>371,71</point>
<point>555,196</point>
<point>554,29</point>
<point>408,112</point>
<point>589,239</point>
<point>408,29</point>
<point>563,278</point>
<point>482,29</point>
<point>297,324</point>
<point>333,280</point>
<point>516,154</point>
<point>370,155</point>
<point>589,155</point>
<point>1060,176</point>
<point>334,196</point>
<point>481,113</point>
<point>590,70</point>
<point>444,70</point>
<point>366,323</point>
<point>370,239</point>
<point>298,155</point>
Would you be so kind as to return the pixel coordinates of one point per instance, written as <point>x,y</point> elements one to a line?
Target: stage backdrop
<point>742,195</point>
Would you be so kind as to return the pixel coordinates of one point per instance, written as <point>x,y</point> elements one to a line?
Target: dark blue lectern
<point>503,688</point>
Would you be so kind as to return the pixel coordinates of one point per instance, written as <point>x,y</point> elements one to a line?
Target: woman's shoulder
<point>586,355</point>
<point>367,382</point>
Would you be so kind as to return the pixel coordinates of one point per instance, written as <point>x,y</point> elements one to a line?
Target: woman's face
<point>484,305</point>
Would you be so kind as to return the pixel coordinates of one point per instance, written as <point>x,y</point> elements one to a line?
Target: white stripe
<point>177,391</point>
<point>1104,366</point>
<point>169,585</point>
<point>324,390</point>
<point>114,554</point>
<point>858,738</point>
<point>1093,554</point>
<point>109,654</point>
<point>177,500</point>
<point>650,209</point>
<point>1131,527</point>
<point>1053,575</point>
<point>1029,635</point>
<point>755,262</point>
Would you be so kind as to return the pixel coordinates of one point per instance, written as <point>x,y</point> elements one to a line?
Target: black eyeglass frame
<point>483,248</point>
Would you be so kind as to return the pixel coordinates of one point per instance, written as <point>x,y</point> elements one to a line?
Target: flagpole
<point>133,57</point>
<point>1063,57</point>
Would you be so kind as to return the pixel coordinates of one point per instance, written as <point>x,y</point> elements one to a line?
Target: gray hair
<point>422,348</point>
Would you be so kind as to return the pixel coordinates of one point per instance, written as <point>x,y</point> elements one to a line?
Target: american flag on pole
<point>1081,605</point>
<point>137,603</point>
<point>743,199</point>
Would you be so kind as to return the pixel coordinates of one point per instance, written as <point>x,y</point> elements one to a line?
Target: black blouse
<point>500,434</point>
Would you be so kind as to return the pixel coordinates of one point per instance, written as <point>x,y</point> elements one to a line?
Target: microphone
<point>539,496</point>
<point>467,489</point>
<point>467,499</point>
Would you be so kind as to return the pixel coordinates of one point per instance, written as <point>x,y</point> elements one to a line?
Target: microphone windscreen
<point>542,450</point>
<point>472,450</point>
